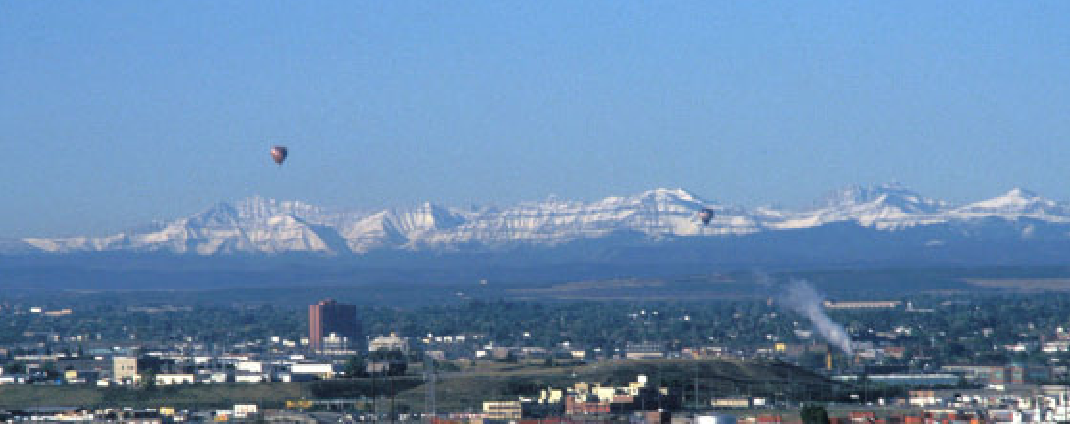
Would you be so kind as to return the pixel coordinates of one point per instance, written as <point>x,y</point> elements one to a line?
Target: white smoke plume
<point>801,297</point>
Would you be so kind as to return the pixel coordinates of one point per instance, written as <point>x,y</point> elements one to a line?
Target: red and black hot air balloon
<point>706,214</point>
<point>278,153</point>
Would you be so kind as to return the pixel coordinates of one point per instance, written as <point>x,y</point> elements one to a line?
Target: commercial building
<point>124,370</point>
<point>862,304</point>
<point>645,350</point>
<point>172,379</point>
<point>1010,374</point>
<point>502,410</point>
<point>389,343</point>
<point>328,317</point>
<point>322,371</point>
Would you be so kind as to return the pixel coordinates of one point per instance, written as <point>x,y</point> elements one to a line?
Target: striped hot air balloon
<point>706,214</point>
<point>278,153</point>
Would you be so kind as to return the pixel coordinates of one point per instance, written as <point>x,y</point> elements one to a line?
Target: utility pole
<point>696,358</point>
<point>429,377</point>
<point>375,396</point>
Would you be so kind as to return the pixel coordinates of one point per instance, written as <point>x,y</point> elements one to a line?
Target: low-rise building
<point>172,379</point>
<point>243,411</point>
<point>244,377</point>
<point>74,376</point>
<point>389,343</point>
<point>1056,346</point>
<point>741,402</point>
<point>249,366</point>
<point>924,398</point>
<point>212,377</point>
<point>645,350</point>
<point>124,370</point>
<point>863,304</point>
<point>321,371</point>
<point>503,410</point>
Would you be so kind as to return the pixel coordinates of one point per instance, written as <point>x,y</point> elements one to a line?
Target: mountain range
<point>885,224</point>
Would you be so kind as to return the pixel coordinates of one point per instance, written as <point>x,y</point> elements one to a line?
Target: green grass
<point>498,381</point>
<point>21,396</point>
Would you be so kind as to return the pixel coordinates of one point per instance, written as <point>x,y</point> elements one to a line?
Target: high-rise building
<point>328,317</point>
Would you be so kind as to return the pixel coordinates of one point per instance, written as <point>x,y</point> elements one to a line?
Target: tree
<point>16,368</point>
<point>148,379</point>
<point>356,367</point>
<point>814,414</point>
<point>50,371</point>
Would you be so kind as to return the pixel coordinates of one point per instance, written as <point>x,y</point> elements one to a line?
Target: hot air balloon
<point>278,153</point>
<point>706,214</point>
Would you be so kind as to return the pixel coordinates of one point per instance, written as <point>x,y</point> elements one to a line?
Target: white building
<point>502,410</point>
<point>124,370</point>
<point>242,411</point>
<point>250,378</point>
<point>170,379</point>
<point>250,366</point>
<point>391,342</point>
<point>320,370</point>
<point>1056,346</point>
<point>212,377</point>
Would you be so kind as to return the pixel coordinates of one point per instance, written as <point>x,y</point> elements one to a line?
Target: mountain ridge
<point>608,227</point>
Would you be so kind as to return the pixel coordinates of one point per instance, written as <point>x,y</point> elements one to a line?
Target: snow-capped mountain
<point>890,216</point>
<point>885,207</point>
<point>1015,203</point>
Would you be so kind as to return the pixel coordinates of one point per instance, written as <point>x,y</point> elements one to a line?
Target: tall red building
<point>328,317</point>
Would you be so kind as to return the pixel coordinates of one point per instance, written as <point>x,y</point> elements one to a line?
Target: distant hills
<point>857,226</point>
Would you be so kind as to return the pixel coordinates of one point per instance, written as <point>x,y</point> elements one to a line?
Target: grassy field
<point>22,396</point>
<point>498,381</point>
<point>1023,284</point>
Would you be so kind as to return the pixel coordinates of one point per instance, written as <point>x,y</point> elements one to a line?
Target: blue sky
<point>116,113</point>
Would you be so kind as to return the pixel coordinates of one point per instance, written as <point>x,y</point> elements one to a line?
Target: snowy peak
<point>428,217</point>
<point>288,233</point>
<point>221,214</point>
<point>260,209</point>
<point>253,225</point>
<point>1021,193</point>
<point>1015,198</point>
<point>1017,201</point>
<point>668,195</point>
<point>258,225</point>
<point>668,200</point>
<point>17,247</point>
<point>886,207</point>
<point>885,196</point>
<point>659,195</point>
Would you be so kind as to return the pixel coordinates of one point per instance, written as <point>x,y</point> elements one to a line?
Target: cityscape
<point>986,357</point>
<point>534,212</point>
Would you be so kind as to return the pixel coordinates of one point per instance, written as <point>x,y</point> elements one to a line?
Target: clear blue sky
<point>116,113</point>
